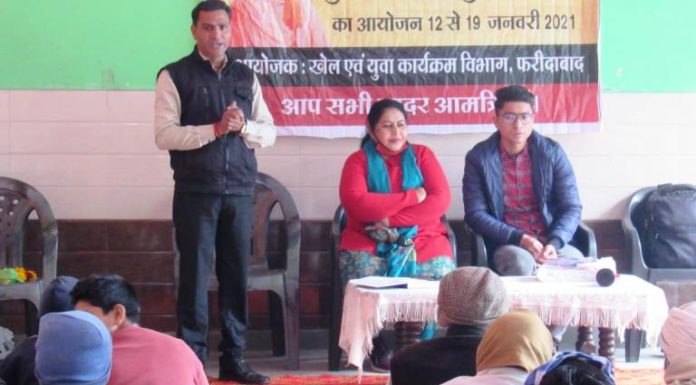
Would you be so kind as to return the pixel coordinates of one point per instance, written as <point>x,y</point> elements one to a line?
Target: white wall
<point>92,154</point>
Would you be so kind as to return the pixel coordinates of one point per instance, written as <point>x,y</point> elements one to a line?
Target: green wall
<point>647,46</point>
<point>90,44</point>
<point>120,44</point>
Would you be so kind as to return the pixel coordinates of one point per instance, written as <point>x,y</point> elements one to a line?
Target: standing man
<point>210,115</point>
<point>520,191</point>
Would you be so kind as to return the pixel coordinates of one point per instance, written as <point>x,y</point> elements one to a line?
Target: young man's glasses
<point>512,118</point>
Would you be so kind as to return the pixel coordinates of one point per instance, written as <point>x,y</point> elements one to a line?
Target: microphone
<point>605,277</point>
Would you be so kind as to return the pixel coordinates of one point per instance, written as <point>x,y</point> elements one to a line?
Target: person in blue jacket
<point>520,191</point>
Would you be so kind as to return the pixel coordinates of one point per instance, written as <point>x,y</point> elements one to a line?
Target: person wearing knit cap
<point>514,344</point>
<point>18,367</point>
<point>469,299</point>
<point>73,348</point>
<point>678,341</point>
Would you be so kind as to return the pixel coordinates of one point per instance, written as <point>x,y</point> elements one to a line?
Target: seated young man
<point>469,299</point>
<point>140,356</point>
<point>520,192</point>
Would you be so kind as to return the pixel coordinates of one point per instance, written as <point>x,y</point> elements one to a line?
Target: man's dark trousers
<point>212,226</point>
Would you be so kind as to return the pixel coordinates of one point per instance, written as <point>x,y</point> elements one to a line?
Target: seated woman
<point>469,299</point>
<point>678,340</point>
<point>394,194</point>
<point>514,345</point>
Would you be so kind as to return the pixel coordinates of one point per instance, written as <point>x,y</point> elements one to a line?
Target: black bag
<point>670,227</point>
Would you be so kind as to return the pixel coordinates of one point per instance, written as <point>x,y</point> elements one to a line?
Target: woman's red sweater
<point>399,207</point>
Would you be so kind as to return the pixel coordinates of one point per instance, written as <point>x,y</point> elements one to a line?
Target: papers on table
<point>565,270</point>
<point>379,283</point>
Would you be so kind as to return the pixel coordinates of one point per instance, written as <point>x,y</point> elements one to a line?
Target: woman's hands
<point>420,192</point>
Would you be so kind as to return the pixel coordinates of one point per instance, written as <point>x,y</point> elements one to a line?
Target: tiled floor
<point>314,361</point>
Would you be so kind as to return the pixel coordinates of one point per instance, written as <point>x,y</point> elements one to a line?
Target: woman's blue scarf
<point>397,249</point>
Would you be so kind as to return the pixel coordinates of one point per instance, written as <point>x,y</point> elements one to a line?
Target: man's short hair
<point>209,6</point>
<point>513,93</point>
<point>107,291</point>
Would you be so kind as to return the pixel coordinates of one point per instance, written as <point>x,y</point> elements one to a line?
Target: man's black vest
<point>225,165</point>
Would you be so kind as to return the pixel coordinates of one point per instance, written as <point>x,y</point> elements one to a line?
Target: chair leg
<point>335,351</point>
<point>634,341</point>
<point>292,324</point>
<point>32,318</point>
<point>276,315</point>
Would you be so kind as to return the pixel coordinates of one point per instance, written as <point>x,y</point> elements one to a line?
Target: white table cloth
<point>630,303</point>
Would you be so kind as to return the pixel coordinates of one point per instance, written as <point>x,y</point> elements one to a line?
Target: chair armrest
<point>635,250</point>
<point>479,253</point>
<point>452,239</point>
<point>586,240</point>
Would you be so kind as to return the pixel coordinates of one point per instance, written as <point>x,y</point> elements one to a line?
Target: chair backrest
<point>634,217</point>
<point>17,201</point>
<point>270,193</point>
<point>339,223</point>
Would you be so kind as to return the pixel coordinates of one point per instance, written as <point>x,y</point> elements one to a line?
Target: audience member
<point>18,367</point>
<point>678,340</point>
<point>513,345</point>
<point>141,356</point>
<point>73,348</point>
<point>469,299</point>
<point>394,194</point>
<point>573,368</point>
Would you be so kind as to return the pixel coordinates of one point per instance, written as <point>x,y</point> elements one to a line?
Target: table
<point>630,303</point>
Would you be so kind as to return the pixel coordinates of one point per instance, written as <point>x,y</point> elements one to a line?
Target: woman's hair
<point>376,112</point>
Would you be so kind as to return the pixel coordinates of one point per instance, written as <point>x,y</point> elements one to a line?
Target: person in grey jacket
<point>520,191</point>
